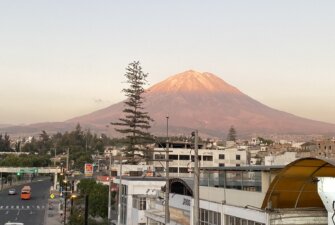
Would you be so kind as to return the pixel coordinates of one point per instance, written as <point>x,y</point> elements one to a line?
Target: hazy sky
<point>65,58</point>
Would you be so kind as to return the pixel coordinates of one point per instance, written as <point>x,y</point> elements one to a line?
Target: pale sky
<point>65,58</point>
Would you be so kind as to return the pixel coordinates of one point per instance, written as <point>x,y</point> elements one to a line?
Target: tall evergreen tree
<point>231,134</point>
<point>136,122</point>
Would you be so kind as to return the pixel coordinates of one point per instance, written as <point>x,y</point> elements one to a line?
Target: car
<point>12,191</point>
<point>9,223</point>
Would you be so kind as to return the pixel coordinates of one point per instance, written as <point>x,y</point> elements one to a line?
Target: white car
<point>12,191</point>
<point>9,223</point>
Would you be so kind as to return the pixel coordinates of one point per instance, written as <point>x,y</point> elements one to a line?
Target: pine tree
<point>231,134</point>
<point>136,122</point>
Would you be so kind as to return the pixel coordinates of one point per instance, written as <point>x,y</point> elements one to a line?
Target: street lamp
<point>72,197</point>
<point>167,178</point>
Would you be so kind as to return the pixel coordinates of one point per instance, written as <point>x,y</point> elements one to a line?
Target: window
<point>221,156</point>
<point>208,217</point>
<point>159,169</point>
<point>184,157</point>
<point>237,165</point>
<point>159,156</point>
<point>238,157</point>
<point>173,169</point>
<point>113,173</point>
<point>183,170</point>
<point>124,193</point>
<point>173,157</point>
<point>139,203</point>
<point>221,164</point>
<point>207,158</point>
<point>143,204</point>
<point>199,157</point>
<point>232,220</point>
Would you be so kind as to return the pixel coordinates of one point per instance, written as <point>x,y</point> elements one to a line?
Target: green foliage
<point>24,161</point>
<point>98,197</point>
<point>231,134</point>
<point>86,186</point>
<point>265,141</point>
<point>98,200</point>
<point>82,145</point>
<point>5,143</point>
<point>136,122</point>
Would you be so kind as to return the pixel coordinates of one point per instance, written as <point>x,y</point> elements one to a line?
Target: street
<point>29,212</point>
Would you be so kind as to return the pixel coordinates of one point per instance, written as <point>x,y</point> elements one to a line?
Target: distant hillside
<point>205,102</point>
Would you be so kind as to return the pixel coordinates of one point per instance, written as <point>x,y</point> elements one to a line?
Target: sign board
<point>88,169</point>
<point>29,170</point>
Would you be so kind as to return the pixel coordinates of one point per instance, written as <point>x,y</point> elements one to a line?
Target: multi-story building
<point>182,158</point>
<point>299,193</point>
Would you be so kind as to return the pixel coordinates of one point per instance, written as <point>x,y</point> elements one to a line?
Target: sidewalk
<point>52,213</point>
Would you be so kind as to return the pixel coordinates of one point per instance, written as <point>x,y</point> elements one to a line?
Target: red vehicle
<point>26,193</point>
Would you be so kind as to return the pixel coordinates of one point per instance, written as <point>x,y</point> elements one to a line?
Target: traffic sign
<point>28,170</point>
<point>52,196</point>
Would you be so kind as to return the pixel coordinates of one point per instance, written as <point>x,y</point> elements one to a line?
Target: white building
<point>282,159</point>
<point>250,195</point>
<point>182,158</point>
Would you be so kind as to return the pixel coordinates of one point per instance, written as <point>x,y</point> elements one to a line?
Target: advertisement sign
<point>88,169</point>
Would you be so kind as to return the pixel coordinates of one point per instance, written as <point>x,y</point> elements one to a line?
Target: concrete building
<point>182,159</point>
<point>246,195</point>
<point>281,159</point>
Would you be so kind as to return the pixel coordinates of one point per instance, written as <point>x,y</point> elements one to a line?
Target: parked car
<point>12,191</point>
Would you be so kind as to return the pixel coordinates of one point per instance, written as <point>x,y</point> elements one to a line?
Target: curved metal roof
<point>296,184</point>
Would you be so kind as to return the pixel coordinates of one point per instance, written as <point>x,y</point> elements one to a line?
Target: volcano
<point>203,101</point>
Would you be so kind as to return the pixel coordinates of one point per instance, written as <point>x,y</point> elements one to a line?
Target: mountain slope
<point>203,101</point>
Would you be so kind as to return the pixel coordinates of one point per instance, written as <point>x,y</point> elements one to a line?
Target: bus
<point>26,193</point>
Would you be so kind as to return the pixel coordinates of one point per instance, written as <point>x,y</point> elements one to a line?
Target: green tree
<point>231,134</point>
<point>5,143</point>
<point>136,122</point>
<point>265,141</point>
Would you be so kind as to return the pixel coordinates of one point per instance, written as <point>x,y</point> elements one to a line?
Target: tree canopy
<point>231,134</point>
<point>135,124</point>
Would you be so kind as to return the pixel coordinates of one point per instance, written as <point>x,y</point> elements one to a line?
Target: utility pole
<point>86,210</point>
<point>55,156</point>
<point>120,192</point>
<point>167,185</point>
<point>196,180</point>
<point>109,189</point>
<point>67,159</point>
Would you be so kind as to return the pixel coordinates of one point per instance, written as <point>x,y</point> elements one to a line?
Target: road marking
<point>18,213</point>
<point>6,212</point>
<point>31,212</point>
<point>23,207</point>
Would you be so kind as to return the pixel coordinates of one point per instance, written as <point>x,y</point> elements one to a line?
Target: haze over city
<point>61,59</point>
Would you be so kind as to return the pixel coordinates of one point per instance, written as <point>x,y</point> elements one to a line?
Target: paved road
<point>29,212</point>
